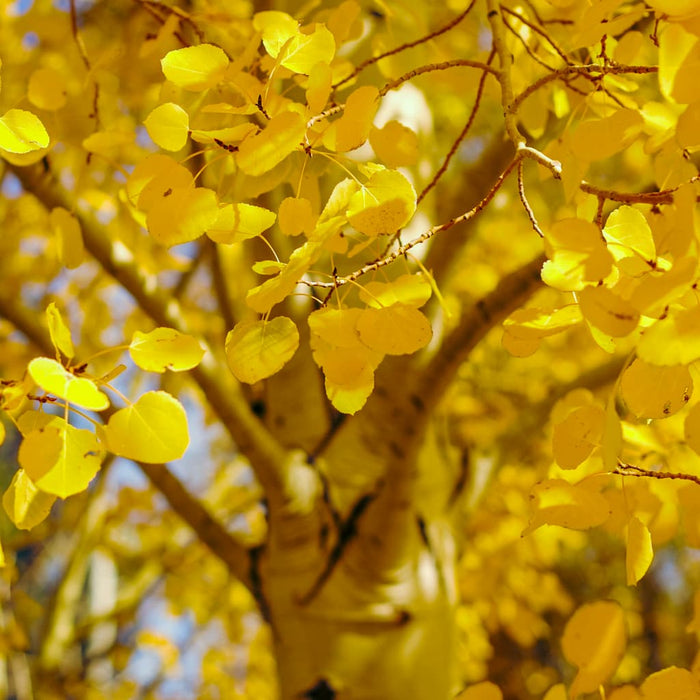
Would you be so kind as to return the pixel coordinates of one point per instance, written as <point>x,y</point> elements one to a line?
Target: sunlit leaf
<point>384,205</point>
<point>239,222</point>
<point>256,350</point>
<point>304,51</point>
<point>395,144</point>
<point>283,134</point>
<point>674,340</point>
<point>640,552</point>
<point>594,640</point>
<point>318,88</point>
<point>165,348</point>
<point>277,29</point>
<point>153,177</point>
<point>481,691</point>
<point>296,216</point>
<point>182,214</point>
<point>58,330</point>
<point>394,330</point>
<point>153,430</point>
<point>596,139</point>
<point>607,311</point>
<point>672,682</point>
<point>575,506</point>
<point>655,392</point>
<point>575,437</point>
<point>412,290</point>
<point>54,379</point>
<point>627,228</point>
<point>195,67</point>
<point>22,132</point>
<point>351,130</point>
<point>168,125</point>
<point>26,505</point>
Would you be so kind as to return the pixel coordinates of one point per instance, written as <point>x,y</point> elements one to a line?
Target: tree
<point>394,306</point>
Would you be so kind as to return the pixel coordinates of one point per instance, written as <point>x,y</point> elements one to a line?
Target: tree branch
<point>510,293</point>
<point>209,530</point>
<point>266,456</point>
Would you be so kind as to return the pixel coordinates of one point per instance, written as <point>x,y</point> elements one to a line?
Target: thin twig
<point>407,45</point>
<point>539,31</point>
<point>632,470</point>
<point>526,204</point>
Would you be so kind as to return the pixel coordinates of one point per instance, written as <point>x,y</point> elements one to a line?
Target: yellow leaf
<point>679,55</point>
<point>352,129</point>
<point>575,506</point>
<point>303,51</point>
<point>578,435</point>
<point>165,348</point>
<point>394,330</point>
<point>47,89</point>
<point>519,346</point>
<point>672,682</point>
<point>54,379</point>
<point>277,29</point>
<point>395,144</point>
<point>556,692</point>
<point>296,216</point>
<point>195,68</point>
<point>692,428</point>
<point>60,335</point>
<point>412,290</point>
<point>607,311</point>
<point>40,450</point>
<point>533,323</point>
<point>153,430</point>
<point>168,126</point>
<point>594,640</point>
<point>384,205</point>
<point>612,437</point>
<point>596,139</point>
<point>107,143</point>
<point>182,214</point>
<point>481,691</point>
<point>627,229</point>
<point>153,177</point>
<point>624,692</point>
<point>2,433</point>
<point>24,503</point>
<point>688,127</point>
<point>239,222</point>
<point>256,350</point>
<point>66,228</point>
<point>640,552</point>
<point>22,132</point>
<point>655,392</point>
<point>283,134</point>
<point>676,8</point>
<point>318,87</point>
<point>674,340</point>
<point>578,254</point>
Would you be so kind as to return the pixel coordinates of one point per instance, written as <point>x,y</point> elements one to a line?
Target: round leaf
<point>54,379</point>
<point>394,330</point>
<point>258,349</point>
<point>22,132</point>
<point>153,430</point>
<point>195,68</point>
<point>165,348</point>
<point>168,125</point>
<point>655,392</point>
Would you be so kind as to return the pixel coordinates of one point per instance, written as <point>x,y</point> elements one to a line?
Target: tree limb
<point>266,456</point>
<point>209,530</point>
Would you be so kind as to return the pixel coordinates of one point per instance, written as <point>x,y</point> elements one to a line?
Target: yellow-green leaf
<point>283,134</point>
<point>394,330</point>
<point>277,29</point>
<point>627,229</point>
<point>71,251</point>
<point>22,132</point>
<point>153,430</point>
<point>168,126</point>
<point>40,449</point>
<point>304,51</point>
<point>655,392</point>
<point>195,68</point>
<point>54,379</point>
<point>26,505</point>
<point>165,348</point>
<point>640,552</point>
<point>384,205</point>
<point>256,350</point>
<point>594,640</point>
<point>412,290</point>
<point>239,222</point>
<point>58,330</point>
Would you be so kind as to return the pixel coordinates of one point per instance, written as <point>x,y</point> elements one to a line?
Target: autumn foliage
<point>394,306</point>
